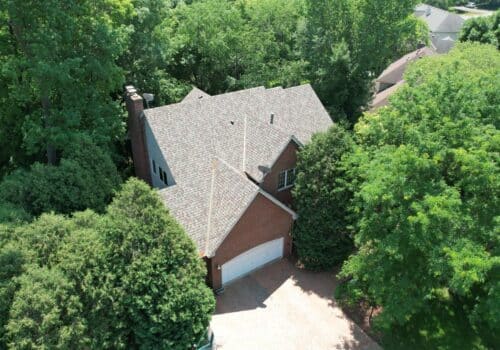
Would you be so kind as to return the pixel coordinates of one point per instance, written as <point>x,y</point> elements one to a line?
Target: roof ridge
<point>210,200</point>
<point>199,101</point>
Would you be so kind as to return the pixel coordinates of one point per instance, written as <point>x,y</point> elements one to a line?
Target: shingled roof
<point>218,147</point>
<point>438,20</point>
<point>394,73</point>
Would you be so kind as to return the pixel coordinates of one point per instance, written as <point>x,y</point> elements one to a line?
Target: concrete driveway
<point>283,307</point>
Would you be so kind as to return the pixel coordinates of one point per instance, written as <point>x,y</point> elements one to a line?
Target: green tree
<point>221,45</point>
<point>485,30</point>
<point>143,60</point>
<point>10,213</point>
<point>348,42</point>
<point>156,279</point>
<point>85,178</point>
<point>321,197</point>
<point>12,262</point>
<point>46,313</point>
<point>58,74</point>
<point>427,205</point>
<point>129,278</point>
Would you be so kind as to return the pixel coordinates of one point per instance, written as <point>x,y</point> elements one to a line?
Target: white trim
<point>258,190</point>
<point>287,186</point>
<point>277,202</point>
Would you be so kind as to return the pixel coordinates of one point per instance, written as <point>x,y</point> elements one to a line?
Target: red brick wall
<point>262,222</point>
<point>287,160</point>
<point>136,132</point>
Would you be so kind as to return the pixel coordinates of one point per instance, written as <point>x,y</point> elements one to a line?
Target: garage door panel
<point>252,259</point>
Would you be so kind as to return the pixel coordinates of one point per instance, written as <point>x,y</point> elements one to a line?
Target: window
<point>163,176</point>
<point>282,180</point>
<point>290,177</point>
<point>286,179</point>
<point>154,166</point>
<point>165,179</point>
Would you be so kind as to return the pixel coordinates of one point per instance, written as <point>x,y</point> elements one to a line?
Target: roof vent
<point>271,120</point>
<point>232,122</point>
<point>149,98</point>
<point>428,11</point>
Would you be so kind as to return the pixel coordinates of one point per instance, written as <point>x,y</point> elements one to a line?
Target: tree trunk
<point>51,151</point>
<point>370,316</point>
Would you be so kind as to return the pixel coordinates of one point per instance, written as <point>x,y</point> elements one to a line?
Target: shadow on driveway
<point>282,306</point>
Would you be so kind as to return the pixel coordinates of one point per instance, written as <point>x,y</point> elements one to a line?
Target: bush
<point>85,178</point>
<point>46,313</point>
<point>321,196</point>
<point>12,214</point>
<point>129,278</point>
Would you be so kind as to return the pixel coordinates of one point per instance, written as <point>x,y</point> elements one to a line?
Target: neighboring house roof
<point>394,73</point>
<point>382,98</point>
<point>443,45</point>
<point>438,20</point>
<point>216,145</point>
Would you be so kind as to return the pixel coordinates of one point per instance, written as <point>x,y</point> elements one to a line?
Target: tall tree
<point>130,278</point>
<point>155,274</point>
<point>143,60</point>
<point>59,73</point>
<point>221,45</point>
<point>427,228</point>
<point>321,196</point>
<point>349,42</point>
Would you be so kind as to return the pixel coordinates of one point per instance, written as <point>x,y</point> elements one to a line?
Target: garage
<point>251,260</point>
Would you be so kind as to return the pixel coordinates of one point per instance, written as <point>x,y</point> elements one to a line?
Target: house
<point>392,77</point>
<point>225,165</point>
<point>444,26</point>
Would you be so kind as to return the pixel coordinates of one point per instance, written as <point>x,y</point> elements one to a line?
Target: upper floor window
<point>163,176</point>
<point>286,179</point>
<point>154,166</point>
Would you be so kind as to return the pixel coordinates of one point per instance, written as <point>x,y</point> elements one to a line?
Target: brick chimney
<point>135,108</point>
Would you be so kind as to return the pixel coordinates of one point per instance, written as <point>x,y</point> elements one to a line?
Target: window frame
<point>165,178</point>
<point>287,185</point>
<point>160,170</point>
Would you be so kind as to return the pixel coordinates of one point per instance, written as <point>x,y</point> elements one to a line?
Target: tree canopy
<point>427,204</point>
<point>321,197</point>
<point>345,54</point>
<point>58,70</point>
<point>485,30</point>
<point>63,66</point>
<point>129,278</point>
<point>60,82</point>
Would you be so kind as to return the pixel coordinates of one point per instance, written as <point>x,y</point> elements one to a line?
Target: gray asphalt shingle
<point>213,143</point>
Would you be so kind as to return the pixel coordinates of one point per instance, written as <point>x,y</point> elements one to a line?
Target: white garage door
<point>252,259</point>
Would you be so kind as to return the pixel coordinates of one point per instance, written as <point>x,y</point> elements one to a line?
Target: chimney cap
<point>130,89</point>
